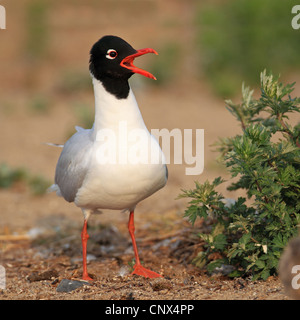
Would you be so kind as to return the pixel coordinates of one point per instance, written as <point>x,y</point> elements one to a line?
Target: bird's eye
<point>111,54</point>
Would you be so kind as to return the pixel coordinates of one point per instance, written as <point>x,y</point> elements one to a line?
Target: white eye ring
<point>111,54</point>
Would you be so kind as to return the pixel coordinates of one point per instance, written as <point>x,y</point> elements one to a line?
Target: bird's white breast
<point>127,164</point>
<point>115,185</point>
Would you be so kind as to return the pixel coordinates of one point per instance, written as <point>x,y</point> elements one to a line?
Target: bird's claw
<point>142,271</point>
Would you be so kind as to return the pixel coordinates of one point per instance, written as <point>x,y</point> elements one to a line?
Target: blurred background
<point>206,51</point>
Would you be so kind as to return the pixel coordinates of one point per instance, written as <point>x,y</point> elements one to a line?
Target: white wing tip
<point>54,188</point>
<point>79,129</point>
<point>54,144</point>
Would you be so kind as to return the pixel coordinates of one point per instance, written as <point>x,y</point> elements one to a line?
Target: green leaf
<point>265,274</point>
<point>260,264</point>
<point>220,242</point>
<point>214,264</point>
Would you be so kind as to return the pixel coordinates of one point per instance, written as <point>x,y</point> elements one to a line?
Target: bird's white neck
<point>109,110</point>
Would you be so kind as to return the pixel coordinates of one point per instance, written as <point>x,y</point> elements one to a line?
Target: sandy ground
<point>167,242</point>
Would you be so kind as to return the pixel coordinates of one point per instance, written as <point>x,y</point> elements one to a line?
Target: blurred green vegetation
<point>39,104</point>
<point>236,39</point>
<point>10,176</point>
<point>37,29</point>
<point>164,67</point>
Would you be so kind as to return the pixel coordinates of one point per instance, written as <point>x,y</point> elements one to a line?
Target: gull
<point>117,163</point>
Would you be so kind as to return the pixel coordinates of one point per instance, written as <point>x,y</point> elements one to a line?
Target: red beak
<point>127,62</point>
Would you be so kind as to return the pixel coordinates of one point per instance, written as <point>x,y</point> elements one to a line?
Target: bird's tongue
<point>127,62</point>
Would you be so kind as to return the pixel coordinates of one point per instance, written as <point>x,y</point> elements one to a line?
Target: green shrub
<point>265,161</point>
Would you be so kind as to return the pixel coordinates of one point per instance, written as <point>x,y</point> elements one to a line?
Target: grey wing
<point>73,164</point>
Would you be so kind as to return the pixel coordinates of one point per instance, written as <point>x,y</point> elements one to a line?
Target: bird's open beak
<point>127,62</point>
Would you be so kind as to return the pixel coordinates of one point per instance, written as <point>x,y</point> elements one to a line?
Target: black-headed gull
<point>117,163</point>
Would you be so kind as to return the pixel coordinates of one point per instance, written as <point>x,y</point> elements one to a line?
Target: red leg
<point>84,239</point>
<point>138,268</point>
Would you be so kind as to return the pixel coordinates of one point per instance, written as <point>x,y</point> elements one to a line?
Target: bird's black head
<point>111,62</point>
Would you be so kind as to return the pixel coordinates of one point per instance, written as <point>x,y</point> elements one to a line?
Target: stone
<point>67,285</point>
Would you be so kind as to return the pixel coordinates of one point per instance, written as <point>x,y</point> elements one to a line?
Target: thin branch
<point>287,130</point>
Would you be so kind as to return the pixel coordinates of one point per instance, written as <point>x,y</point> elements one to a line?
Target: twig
<point>287,130</point>
<point>12,237</point>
